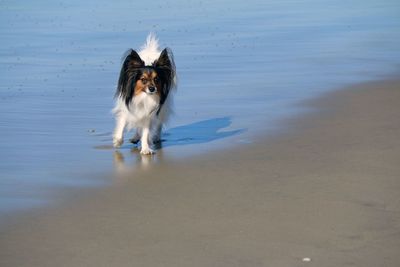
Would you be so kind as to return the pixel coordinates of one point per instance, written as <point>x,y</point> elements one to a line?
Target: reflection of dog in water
<point>144,94</point>
<point>128,162</point>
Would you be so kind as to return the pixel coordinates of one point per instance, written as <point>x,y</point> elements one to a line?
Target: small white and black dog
<point>144,94</point>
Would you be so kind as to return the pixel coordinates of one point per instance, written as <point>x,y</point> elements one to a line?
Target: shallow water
<point>241,68</point>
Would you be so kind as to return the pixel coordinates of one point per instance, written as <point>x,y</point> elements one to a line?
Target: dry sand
<point>327,190</point>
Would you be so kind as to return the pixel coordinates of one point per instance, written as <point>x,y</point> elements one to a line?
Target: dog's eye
<point>144,80</point>
<point>156,79</point>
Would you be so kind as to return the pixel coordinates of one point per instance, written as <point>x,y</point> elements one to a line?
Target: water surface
<point>241,66</point>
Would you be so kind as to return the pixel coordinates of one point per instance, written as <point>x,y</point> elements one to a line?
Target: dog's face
<point>136,78</point>
<point>149,82</point>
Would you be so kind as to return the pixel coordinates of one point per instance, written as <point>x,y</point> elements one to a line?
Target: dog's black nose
<point>152,89</point>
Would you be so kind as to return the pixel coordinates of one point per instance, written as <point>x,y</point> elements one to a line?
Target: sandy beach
<point>326,190</point>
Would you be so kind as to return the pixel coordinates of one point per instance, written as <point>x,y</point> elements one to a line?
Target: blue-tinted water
<point>241,67</point>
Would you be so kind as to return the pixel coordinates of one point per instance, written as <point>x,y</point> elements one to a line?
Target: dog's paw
<point>147,151</point>
<point>156,140</point>
<point>117,142</point>
<point>134,140</point>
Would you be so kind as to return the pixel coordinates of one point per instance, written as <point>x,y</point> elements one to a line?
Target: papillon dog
<point>144,94</point>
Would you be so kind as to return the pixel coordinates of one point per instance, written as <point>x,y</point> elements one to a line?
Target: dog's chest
<point>145,106</point>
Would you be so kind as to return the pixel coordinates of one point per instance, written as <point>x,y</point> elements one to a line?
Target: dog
<point>144,94</point>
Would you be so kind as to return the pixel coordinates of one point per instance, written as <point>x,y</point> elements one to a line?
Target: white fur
<point>150,51</point>
<point>142,110</point>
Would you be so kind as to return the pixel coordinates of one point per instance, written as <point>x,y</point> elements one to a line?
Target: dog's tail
<point>151,43</point>
<point>150,51</point>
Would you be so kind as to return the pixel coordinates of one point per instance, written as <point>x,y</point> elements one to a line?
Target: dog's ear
<point>128,75</point>
<point>164,60</point>
<point>133,60</point>
<point>165,66</point>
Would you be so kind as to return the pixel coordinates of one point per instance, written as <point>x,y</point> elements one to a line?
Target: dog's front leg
<point>118,136</point>
<point>146,150</point>
<point>156,138</point>
<point>136,138</point>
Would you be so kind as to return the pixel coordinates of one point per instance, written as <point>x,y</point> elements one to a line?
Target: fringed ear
<point>127,77</point>
<point>165,66</point>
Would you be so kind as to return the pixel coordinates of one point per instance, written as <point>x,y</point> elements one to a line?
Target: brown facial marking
<point>147,79</point>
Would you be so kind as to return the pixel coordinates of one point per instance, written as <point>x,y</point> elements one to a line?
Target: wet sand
<point>327,189</point>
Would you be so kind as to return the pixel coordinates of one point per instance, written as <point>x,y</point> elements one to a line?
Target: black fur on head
<point>165,68</point>
<point>133,67</point>
<point>130,73</point>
